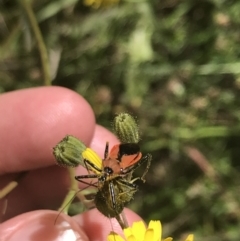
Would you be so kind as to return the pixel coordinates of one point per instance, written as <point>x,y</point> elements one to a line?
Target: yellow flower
<point>139,232</point>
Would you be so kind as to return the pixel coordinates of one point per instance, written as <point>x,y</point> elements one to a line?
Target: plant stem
<point>41,45</point>
<point>71,193</point>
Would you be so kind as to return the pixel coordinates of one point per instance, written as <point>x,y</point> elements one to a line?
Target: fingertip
<point>42,225</point>
<point>35,120</point>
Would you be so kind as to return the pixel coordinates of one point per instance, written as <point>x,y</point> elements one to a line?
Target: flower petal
<point>190,237</point>
<point>149,235</point>
<point>138,230</point>
<point>157,229</point>
<point>168,239</point>
<point>114,237</point>
<point>131,238</point>
<point>127,232</point>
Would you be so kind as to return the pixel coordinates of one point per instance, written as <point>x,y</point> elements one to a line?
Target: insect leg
<point>129,184</point>
<point>147,158</point>
<point>112,194</point>
<point>79,178</point>
<point>90,166</point>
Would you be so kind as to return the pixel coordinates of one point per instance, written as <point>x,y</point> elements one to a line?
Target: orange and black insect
<point>115,187</point>
<point>123,159</point>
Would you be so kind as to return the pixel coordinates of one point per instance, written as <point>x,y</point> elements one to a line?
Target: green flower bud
<point>126,128</point>
<point>68,152</point>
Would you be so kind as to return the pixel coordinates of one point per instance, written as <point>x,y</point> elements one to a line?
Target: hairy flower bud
<point>68,152</point>
<point>126,128</point>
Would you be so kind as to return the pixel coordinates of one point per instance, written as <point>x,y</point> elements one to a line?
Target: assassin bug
<point>115,187</point>
<point>121,162</point>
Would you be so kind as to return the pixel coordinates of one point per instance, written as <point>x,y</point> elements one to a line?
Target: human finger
<point>41,225</point>
<point>34,120</point>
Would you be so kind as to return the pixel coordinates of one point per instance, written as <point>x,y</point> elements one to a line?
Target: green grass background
<point>176,66</point>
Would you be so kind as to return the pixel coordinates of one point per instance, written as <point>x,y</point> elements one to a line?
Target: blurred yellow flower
<point>138,232</point>
<point>100,3</point>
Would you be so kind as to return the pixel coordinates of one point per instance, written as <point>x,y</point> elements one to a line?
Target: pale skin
<point>32,121</point>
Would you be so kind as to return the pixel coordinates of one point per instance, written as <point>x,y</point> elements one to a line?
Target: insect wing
<point>127,154</point>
